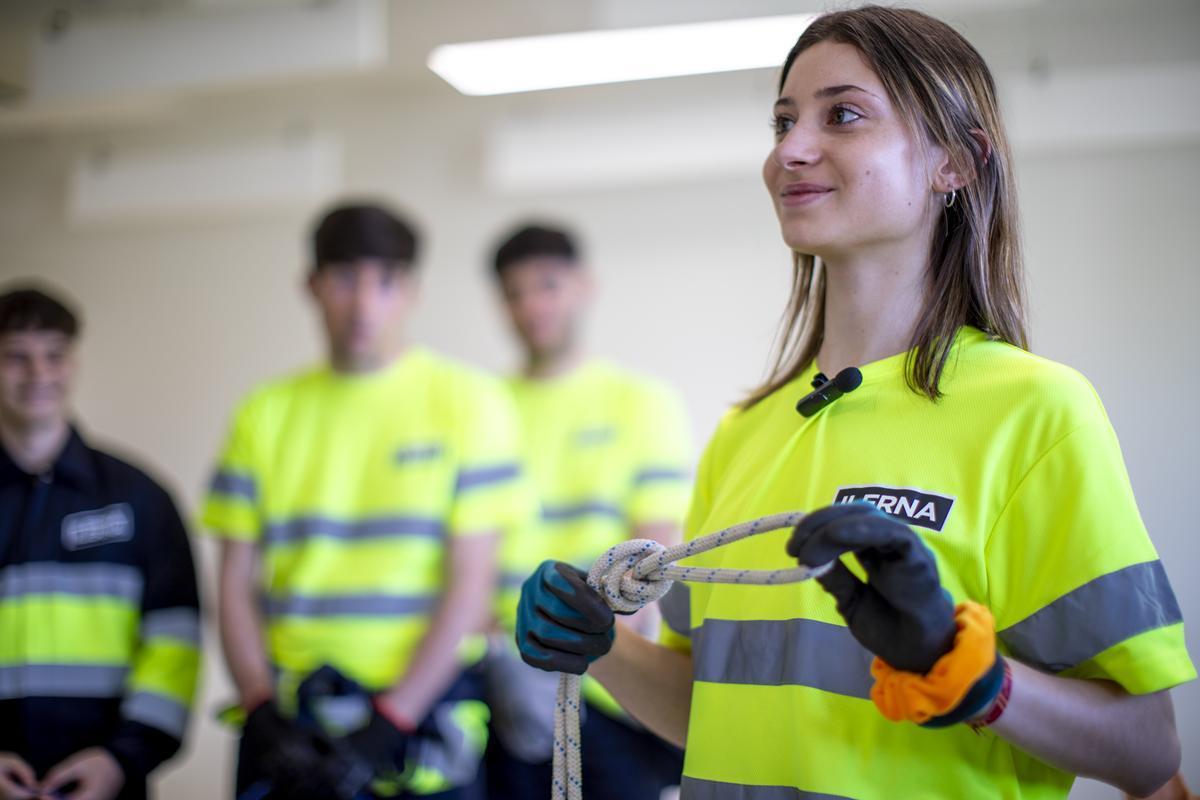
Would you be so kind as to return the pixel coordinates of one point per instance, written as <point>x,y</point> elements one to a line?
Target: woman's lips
<point>800,194</point>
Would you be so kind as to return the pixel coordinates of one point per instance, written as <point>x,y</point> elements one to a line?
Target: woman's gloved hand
<point>901,613</point>
<point>562,623</point>
<point>936,665</point>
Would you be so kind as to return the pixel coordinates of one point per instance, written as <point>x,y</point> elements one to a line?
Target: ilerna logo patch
<point>914,506</point>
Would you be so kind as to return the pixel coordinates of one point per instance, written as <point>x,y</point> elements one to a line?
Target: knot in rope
<point>618,579</point>
<point>641,571</point>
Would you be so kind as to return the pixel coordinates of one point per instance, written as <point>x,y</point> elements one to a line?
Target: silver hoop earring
<point>949,198</point>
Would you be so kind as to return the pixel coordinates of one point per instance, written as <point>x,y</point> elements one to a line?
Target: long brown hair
<point>946,94</point>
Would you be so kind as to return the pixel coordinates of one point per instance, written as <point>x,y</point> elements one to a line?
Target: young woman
<point>962,470</point>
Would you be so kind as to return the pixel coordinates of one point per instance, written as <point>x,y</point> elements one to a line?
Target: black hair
<point>28,309</point>
<point>351,232</point>
<point>535,241</point>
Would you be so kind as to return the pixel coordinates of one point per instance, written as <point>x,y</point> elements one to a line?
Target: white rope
<point>638,572</point>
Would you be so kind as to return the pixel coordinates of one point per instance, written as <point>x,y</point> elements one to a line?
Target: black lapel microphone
<point>825,391</point>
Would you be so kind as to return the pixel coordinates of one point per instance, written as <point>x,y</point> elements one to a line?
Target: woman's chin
<point>805,245</point>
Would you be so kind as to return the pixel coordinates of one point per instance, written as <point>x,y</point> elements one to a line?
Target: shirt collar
<point>74,465</point>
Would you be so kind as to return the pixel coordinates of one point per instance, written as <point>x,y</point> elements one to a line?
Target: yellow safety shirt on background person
<point>607,451</point>
<point>353,485</point>
<point>1015,481</point>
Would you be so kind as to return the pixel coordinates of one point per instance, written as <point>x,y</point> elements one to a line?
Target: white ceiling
<point>1034,37</point>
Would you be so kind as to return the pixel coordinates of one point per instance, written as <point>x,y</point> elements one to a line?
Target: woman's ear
<point>949,177</point>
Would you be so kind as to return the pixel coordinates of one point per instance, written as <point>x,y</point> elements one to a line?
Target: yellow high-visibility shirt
<point>607,451</point>
<point>1015,481</point>
<point>353,486</point>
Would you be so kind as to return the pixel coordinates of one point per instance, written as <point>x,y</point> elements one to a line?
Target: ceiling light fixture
<point>531,63</point>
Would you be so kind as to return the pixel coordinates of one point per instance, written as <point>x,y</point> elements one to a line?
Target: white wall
<point>184,316</point>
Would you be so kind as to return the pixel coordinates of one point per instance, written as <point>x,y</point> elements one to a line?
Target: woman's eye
<point>843,115</point>
<point>781,125</point>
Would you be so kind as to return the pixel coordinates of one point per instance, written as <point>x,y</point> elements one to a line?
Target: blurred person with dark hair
<point>99,615</point>
<point>359,505</point>
<point>608,454</point>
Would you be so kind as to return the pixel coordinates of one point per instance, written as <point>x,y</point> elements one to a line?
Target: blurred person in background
<point>995,619</point>
<point>608,455</point>
<point>359,505</point>
<point>99,615</point>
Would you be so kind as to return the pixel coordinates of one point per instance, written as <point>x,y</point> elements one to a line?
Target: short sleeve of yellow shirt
<point>1074,581</point>
<point>660,488</point>
<point>232,506</point>
<point>491,496</point>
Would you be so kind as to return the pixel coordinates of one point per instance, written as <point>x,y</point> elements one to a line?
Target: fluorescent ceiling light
<point>531,63</point>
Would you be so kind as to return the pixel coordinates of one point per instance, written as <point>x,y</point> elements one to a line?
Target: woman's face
<point>847,177</point>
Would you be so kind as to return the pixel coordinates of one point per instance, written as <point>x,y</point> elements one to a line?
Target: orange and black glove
<point>935,665</point>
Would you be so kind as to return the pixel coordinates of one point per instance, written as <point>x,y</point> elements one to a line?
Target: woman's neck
<point>871,308</point>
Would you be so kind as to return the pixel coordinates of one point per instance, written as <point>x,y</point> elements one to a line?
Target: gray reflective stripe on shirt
<point>787,652</point>
<point>163,713</point>
<point>699,789</point>
<point>676,608</point>
<point>597,508</point>
<point>172,623</point>
<point>485,476</point>
<point>84,580</point>
<point>62,680</point>
<point>301,528</point>
<point>355,605</point>
<point>234,484</point>
<point>1092,618</point>
<point>652,474</point>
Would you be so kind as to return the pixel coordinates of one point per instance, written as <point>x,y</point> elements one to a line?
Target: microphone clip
<point>828,390</point>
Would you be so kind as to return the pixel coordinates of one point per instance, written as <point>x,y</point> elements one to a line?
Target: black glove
<point>301,764</point>
<point>266,728</point>
<point>901,614</point>
<point>562,623</point>
<point>381,745</point>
